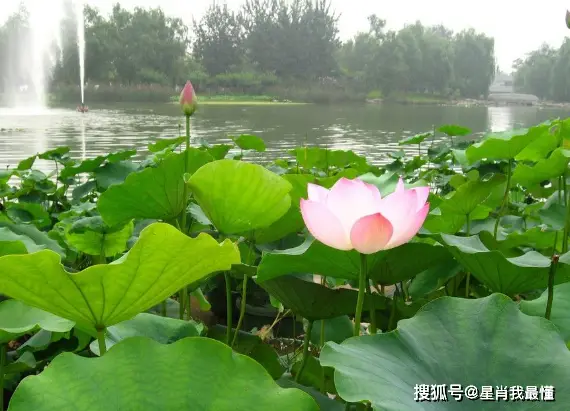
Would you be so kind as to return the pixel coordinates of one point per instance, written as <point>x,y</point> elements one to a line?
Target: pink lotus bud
<point>188,100</point>
<point>353,215</point>
<point>568,19</point>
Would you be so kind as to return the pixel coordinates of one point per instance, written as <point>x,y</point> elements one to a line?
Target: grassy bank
<point>241,100</point>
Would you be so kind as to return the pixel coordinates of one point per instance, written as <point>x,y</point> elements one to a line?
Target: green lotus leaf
<point>249,142</point>
<point>454,130</point>
<point>469,196</point>
<point>114,173</point>
<point>240,197</point>
<point>482,342</point>
<point>162,261</point>
<point>314,301</point>
<point>141,374</point>
<point>92,236</point>
<point>11,243</point>
<point>501,274</point>
<point>560,315</point>
<point>504,145</point>
<point>26,213</point>
<point>387,267</point>
<point>155,193</point>
<point>552,167</point>
<point>292,221</point>
<point>323,159</point>
<point>17,318</point>
<point>415,139</point>
<point>252,346</point>
<point>91,164</point>
<point>164,143</point>
<point>32,238</point>
<point>161,329</point>
<point>336,329</point>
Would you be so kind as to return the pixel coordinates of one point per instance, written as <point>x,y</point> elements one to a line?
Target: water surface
<point>367,129</point>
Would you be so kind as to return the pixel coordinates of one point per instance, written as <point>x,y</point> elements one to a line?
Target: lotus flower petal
<point>317,193</point>
<point>353,215</point>
<point>324,225</point>
<point>406,233</point>
<point>188,101</point>
<point>351,200</point>
<point>370,234</point>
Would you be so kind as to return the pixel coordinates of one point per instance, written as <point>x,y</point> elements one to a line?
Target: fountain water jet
<point>36,52</point>
<point>80,23</point>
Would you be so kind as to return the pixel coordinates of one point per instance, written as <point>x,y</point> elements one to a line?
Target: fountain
<point>34,51</point>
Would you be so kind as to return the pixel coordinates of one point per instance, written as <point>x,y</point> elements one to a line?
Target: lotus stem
<point>392,320</point>
<point>101,341</point>
<point>184,292</point>
<point>324,284</point>
<point>306,342</point>
<point>243,293</point>
<point>229,307</point>
<point>163,308</point>
<point>567,220</point>
<point>468,279</point>
<point>241,309</point>
<point>2,365</point>
<point>505,201</point>
<point>361,288</point>
<point>551,274</point>
<point>372,329</point>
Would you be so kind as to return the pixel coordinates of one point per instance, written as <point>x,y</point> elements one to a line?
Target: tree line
<point>545,72</point>
<point>267,46</point>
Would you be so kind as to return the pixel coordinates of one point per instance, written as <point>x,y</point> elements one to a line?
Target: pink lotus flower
<point>568,19</point>
<point>188,100</point>
<point>353,215</point>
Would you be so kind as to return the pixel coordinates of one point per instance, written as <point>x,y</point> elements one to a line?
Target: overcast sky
<point>518,26</point>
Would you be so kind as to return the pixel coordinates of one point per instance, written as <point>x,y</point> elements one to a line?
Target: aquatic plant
<point>436,278</point>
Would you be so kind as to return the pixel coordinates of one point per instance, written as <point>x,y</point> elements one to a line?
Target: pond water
<point>367,129</point>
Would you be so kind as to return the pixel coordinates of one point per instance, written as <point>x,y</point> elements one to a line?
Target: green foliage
<point>363,369</point>
<point>104,295</point>
<point>132,373</point>
<point>115,250</point>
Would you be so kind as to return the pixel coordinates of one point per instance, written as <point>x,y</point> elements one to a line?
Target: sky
<point>517,26</point>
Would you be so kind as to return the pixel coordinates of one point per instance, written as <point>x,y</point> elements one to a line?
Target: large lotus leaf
<point>164,330</point>
<point>28,213</point>
<point>322,158</point>
<point>404,262</point>
<point>162,261</point>
<point>292,221</point>
<point>140,374</point>
<point>92,236</point>
<point>546,169</point>
<point>560,315</point>
<point>91,164</point>
<point>539,148</point>
<point>482,342</point>
<point>30,236</point>
<point>253,346</point>
<point>415,139</point>
<point>155,193</point>
<point>17,318</point>
<point>388,267</point>
<point>314,301</point>
<point>454,130</point>
<point>470,195</point>
<point>325,403</point>
<point>504,145</point>
<point>505,275</point>
<point>12,243</point>
<point>249,142</point>
<point>240,197</point>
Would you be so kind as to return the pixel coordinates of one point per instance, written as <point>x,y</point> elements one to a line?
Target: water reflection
<point>500,118</point>
<point>372,130</point>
